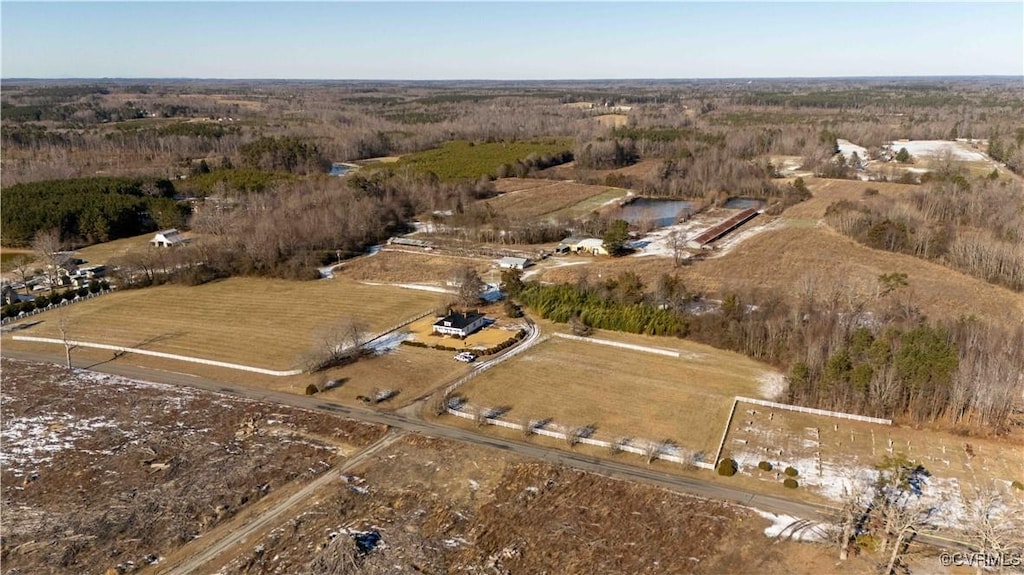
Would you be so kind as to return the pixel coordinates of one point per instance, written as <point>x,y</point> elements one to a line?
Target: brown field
<point>625,393</point>
<point>101,254</point>
<point>612,120</point>
<point>543,200</point>
<point>506,185</point>
<point>827,192</point>
<point>407,267</point>
<point>259,322</point>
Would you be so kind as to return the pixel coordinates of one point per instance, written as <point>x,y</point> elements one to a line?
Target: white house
<point>168,238</point>
<point>459,324</point>
<point>510,263</point>
<point>592,246</point>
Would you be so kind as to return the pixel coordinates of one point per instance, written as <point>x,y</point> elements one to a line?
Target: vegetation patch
<point>461,160</point>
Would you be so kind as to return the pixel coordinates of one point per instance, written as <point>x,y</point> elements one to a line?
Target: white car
<point>466,357</point>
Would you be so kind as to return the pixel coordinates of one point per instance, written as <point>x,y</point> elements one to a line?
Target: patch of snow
<point>961,151</point>
<point>772,384</point>
<point>790,527</point>
<point>386,343</point>
<point>847,149</point>
<point>31,441</point>
<point>734,239</point>
<point>421,287</point>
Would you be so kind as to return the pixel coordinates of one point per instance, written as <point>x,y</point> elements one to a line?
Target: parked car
<point>466,357</point>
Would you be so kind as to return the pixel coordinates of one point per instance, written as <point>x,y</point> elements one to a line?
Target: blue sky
<point>490,40</point>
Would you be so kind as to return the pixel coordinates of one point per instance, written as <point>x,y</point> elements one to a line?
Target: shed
<point>592,246</point>
<point>512,263</point>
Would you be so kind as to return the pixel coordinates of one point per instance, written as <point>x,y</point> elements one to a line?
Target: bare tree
<point>855,506</point>
<point>994,522</point>
<point>335,343</point>
<point>64,326</point>
<point>48,246</point>
<point>469,285</point>
<point>22,266</point>
<point>678,245</point>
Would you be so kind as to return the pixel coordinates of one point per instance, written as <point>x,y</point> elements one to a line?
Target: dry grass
<point>101,254</point>
<point>487,337</point>
<point>406,267</point>
<point>542,200</point>
<point>612,120</point>
<point>506,185</point>
<point>260,322</point>
<point>623,392</point>
<point>827,192</point>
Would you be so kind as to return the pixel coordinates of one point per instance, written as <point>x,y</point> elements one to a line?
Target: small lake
<point>743,204</point>
<point>338,169</point>
<point>658,213</point>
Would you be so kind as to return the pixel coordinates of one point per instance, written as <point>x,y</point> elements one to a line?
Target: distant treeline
<point>88,210</point>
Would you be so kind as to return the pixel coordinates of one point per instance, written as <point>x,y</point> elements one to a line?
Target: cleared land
<point>827,192</point>
<point>828,452</point>
<point>260,322</point>
<point>101,471</point>
<point>544,200</point>
<point>443,507</point>
<point>101,254</point>
<point>612,120</point>
<point>624,393</point>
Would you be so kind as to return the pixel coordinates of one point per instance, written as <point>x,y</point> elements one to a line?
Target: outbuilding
<point>168,238</point>
<point>512,263</point>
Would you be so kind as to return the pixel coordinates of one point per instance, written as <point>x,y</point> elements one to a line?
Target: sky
<point>508,41</point>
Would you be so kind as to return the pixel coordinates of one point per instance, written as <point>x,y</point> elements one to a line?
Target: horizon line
<point>622,79</point>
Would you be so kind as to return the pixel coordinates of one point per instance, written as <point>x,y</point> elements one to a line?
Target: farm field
<point>392,265</point>
<point>546,200</point>
<point>505,185</point>
<point>259,322</point>
<point>464,160</point>
<point>612,120</point>
<point>828,452</point>
<point>623,393</point>
<point>827,192</point>
<point>783,258</point>
<point>101,254</point>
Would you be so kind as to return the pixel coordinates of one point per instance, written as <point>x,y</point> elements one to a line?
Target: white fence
<point>813,411</point>
<point>621,446</point>
<point>63,303</point>
<point>122,349</point>
<point>645,349</point>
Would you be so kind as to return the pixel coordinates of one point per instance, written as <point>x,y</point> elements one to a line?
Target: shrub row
<point>489,351</point>
<point>44,301</point>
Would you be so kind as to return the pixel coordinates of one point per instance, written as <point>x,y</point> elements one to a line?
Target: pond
<point>657,213</point>
<point>339,169</point>
<point>743,204</point>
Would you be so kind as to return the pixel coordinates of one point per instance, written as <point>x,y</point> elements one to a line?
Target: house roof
<point>458,320</point>
<point>570,241</point>
<point>172,235</point>
<point>591,243</point>
<point>511,261</point>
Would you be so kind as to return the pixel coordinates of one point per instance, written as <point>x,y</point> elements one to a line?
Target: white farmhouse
<point>168,238</point>
<point>459,324</point>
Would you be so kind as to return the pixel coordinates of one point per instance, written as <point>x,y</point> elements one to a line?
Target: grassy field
<point>624,393</point>
<point>9,255</point>
<point>505,185</point>
<point>402,266</point>
<point>827,192</point>
<point>465,160</point>
<point>826,451</point>
<point>101,254</point>
<point>547,199</point>
<point>612,120</point>
<point>259,322</point>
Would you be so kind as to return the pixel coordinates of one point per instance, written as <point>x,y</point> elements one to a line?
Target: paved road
<point>409,421</point>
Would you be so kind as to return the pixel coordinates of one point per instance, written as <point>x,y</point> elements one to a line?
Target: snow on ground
<point>734,239</point>
<point>387,343</point>
<point>772,384</point>
<point>935,148</point>
<point>31,440</point>
<point>847,148</point>
<point>789,527</point>
<point>659,242</point>
<point>421,287</point>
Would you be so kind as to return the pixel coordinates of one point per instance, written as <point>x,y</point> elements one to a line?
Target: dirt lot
<point>542,200</point>
<point>260,322</point>
<point>686,398</point>
<point>428,506</point>
<point>612,120</point>
<point>100,471</point>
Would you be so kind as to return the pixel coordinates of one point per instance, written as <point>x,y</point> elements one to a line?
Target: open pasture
<point>258,322</point>
<point>623,392</point>
<point>546,199</point>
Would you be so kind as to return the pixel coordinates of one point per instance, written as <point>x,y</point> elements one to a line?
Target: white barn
<point>168,238</point>
<point>511,263</point>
